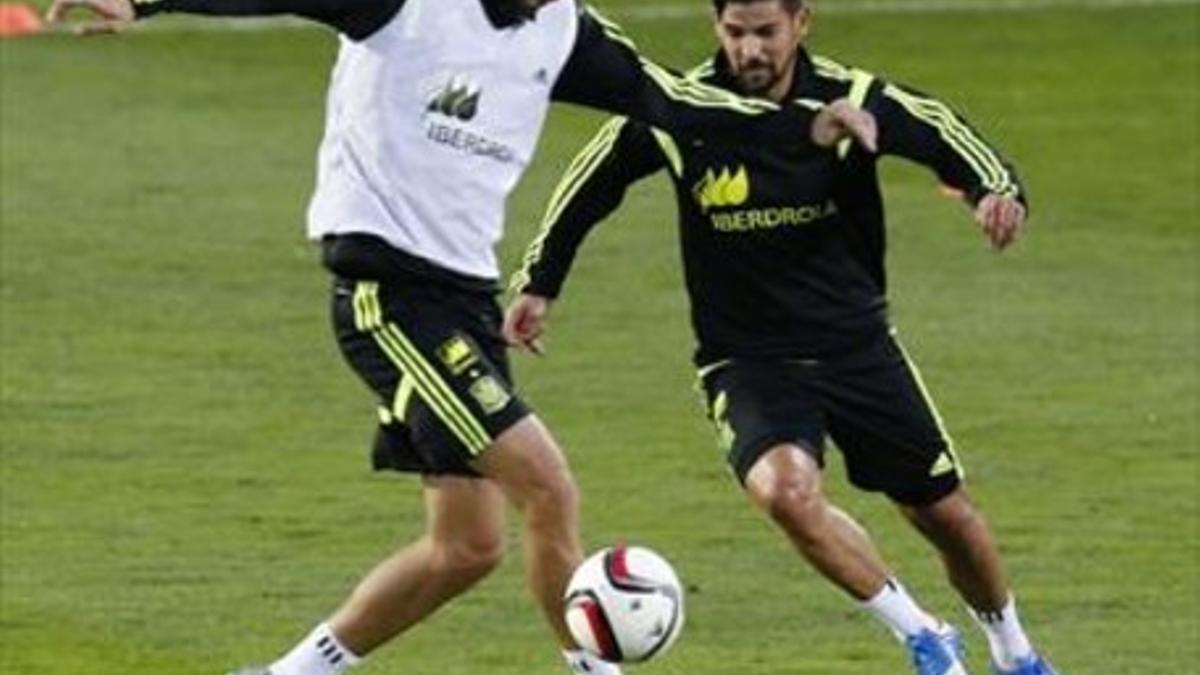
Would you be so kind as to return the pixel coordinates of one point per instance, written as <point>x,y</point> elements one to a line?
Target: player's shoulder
<point>831,78</point>
<point>705,71</point>
<point>833,70</point>
<point>830,68</point>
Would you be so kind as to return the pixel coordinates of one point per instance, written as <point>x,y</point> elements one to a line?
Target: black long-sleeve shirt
<point>604,70</point>
<point>783,249</point>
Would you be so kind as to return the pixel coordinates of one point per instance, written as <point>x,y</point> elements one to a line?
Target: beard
<point>756,78</point>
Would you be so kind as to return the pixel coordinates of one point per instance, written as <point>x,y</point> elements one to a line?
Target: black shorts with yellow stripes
<point>434,356</point>
<point>871,402</point>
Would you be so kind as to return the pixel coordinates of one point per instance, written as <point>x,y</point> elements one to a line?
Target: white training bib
<point>430,123</point>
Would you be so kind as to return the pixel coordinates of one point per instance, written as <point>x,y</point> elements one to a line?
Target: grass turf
<point>183,477</point>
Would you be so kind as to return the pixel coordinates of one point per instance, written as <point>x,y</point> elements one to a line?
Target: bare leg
<point>973,565</point>
<point>972,560</point>
<point>786,484</point>
<point>527,463</point>
<point>463,543</point>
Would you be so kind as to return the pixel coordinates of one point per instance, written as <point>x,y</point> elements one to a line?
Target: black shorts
<point>871,402</point>
<point>435,359</point>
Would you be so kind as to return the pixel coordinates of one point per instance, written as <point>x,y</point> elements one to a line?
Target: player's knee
<point>794,503</point>
<point>952,516</point>
<point>471,558</point>
<point>555,497</point>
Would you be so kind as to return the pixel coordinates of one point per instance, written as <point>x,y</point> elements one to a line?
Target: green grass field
<point>184,477</point>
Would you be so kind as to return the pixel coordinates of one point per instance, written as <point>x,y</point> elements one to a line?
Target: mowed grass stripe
<point>677,11</point>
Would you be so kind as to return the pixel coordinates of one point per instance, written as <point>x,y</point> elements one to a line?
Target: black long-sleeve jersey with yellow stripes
<point>783,249</point>
<point>604,70</point>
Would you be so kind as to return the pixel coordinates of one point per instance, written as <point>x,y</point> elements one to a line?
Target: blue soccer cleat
<point>1030,665</point>
<point>937,652</point>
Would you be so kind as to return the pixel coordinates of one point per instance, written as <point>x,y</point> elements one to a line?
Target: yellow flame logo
<point>722,189</point>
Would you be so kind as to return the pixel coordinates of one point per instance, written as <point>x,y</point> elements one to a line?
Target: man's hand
<point>1001,218</point>
<point>842,119</point>
<point>114,14</point>
<point>525,320</point>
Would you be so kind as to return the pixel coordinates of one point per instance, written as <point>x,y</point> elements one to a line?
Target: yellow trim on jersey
<point>665,141</point>
<point>937,417</point>
<point>859,87</point>
<point>977,154</point>
<point>701,95</point>
<point>670,150</point>
<point>581,168</point>
<point>965,143</point>
<point>827,67</point>
<point>705,69</point>
<point>940,117</point>
<point>678,88</point>
<point>432,389</point>
<point>611,28</point>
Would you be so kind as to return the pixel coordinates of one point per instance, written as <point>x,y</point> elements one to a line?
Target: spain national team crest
<point>457,354</point>
<point>489,394</point>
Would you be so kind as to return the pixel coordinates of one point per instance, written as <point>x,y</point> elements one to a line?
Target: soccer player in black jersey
<point>784,263</point>
<point>434,111</point>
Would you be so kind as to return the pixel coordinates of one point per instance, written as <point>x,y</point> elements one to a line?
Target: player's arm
<point>926,130</point>
<point>606,71</point>
<point>355,18</point>
<point>620,154</point>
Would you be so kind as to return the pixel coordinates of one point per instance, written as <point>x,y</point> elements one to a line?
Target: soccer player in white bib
<point>433,113</point>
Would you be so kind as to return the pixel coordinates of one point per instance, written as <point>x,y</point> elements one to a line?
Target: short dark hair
<point>792,6</point>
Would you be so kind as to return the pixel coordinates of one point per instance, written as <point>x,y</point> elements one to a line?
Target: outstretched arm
<point>621,153</point>
<point>355,18</point>
<point>927,131</point>
<point>606,71</point>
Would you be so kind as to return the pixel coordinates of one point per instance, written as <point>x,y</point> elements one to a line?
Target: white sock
<point>1005,636</point>
<point>318,654</point>
<point>581,661</point>
<point>899,612</point>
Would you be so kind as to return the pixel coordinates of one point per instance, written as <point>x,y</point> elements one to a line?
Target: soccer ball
<point>625,604</point>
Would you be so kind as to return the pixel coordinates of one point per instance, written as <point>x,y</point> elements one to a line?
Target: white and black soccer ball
<point>625,604</point>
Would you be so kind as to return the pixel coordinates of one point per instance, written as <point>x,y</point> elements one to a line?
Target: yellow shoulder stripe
<point>682,89</point>
<point>827,67</point>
